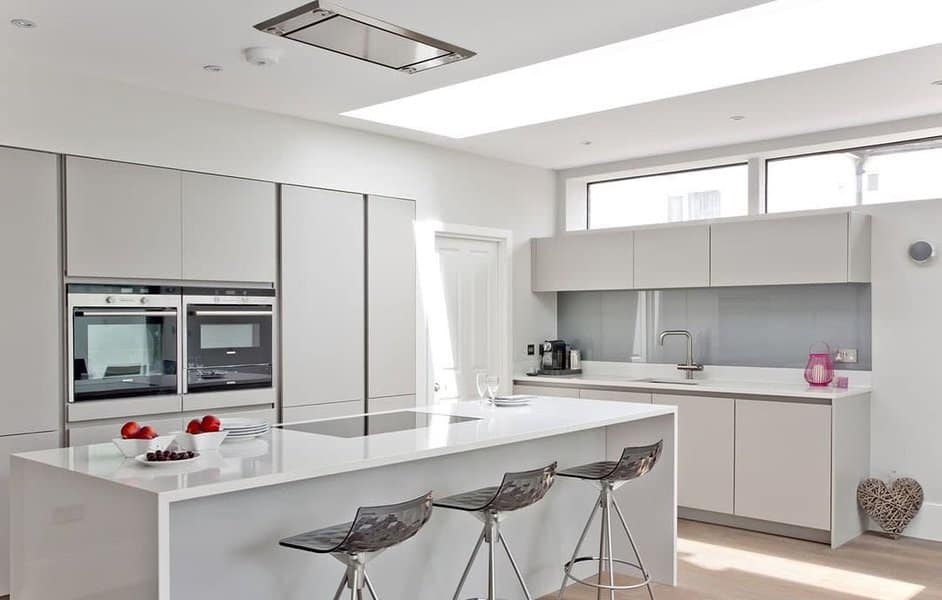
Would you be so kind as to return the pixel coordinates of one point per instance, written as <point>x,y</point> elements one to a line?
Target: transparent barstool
<point>373,530</point>
<point>609,476</point>
<point>490,504</point>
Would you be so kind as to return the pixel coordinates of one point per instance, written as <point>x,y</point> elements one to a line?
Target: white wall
<point>75,115</point>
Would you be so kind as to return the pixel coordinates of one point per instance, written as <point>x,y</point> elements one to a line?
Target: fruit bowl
<point>201,442</point>
<point>133,447</point>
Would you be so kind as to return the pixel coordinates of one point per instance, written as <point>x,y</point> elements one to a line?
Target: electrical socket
<point>531,349</point>
<point>846,356</point>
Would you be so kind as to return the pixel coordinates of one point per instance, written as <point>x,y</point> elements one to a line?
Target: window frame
<point>589,184</point>
<point>767,160</point>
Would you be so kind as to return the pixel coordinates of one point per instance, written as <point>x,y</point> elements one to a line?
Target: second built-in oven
<point>228,339</point>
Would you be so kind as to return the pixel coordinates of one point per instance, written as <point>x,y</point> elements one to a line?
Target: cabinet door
<point>545,390</point>
<point>29,262</point>
<point>583,261</point>
<point>15,444</point>
<point>674,257</point>
<point>391,403</point>
<point>122,220</point>
<point>391,296</point>
<point>770,251</point>
<point>229,229</point>
<point>323,325</point>
<point>783,462</point>
<point>705,451</point>
<point>100,432</point>
<point>617,395</point>
<point>293,414</point>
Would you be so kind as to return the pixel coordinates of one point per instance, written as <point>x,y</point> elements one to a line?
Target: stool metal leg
<point>513,564</point>
<point>609,499</point>
<point>369,585</point>
<point>467,569</point>
<point>343,586</point>
<point>568,568</point>
<point>603,500</point>
<point>491,563</point>
<point>631,540</point>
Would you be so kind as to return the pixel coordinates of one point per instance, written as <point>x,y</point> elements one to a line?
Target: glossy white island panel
<point>117,529</point>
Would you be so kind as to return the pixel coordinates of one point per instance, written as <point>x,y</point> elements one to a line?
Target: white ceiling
<point>163,45</point>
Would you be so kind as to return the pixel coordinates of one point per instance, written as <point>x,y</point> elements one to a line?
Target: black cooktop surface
<point>361,425</point>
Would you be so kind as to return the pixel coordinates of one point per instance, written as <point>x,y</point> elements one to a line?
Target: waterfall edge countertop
<point>286,455</point>
<point>701,387</point>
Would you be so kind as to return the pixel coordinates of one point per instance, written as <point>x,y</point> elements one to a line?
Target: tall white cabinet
<point>391,303</point>
<point>323,302</point>
<point>30,404</point>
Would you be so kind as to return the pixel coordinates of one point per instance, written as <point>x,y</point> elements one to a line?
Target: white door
<point>466,341</point>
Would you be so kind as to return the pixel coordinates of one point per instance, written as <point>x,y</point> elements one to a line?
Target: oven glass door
<point>228,346</point>
<point>123,353</point>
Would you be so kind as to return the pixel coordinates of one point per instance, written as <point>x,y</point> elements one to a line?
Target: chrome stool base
<point>606,557</point>
<point>491,535</point>
<point>356,577</point>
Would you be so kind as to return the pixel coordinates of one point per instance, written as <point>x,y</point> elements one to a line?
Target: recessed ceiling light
<point>937,82</point>
<point>587,143</point>
<point>731,49</point>
<point>737,117</point>
<point>23,23</point>
<point>212,68</point>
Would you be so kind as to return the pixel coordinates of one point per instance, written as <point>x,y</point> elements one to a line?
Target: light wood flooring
<point>720,563</point>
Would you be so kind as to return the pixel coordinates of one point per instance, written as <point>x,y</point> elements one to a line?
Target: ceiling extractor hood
<point>331,27</point>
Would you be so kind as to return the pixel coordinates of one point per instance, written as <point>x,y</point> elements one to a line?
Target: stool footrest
<point>600,586</point>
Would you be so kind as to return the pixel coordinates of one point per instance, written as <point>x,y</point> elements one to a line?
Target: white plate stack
<point>243,429</point>
<point>515,400</point>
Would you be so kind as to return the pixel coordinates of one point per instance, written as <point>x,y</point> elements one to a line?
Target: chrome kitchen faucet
<point>689,367</point>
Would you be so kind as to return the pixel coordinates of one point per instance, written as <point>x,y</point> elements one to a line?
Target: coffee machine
<point>554,359</point>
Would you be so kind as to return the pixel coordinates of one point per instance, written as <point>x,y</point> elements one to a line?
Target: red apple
<point>194,427</point>
<point>146,433</point>
<point>210,424</point>
<point>129,430</point>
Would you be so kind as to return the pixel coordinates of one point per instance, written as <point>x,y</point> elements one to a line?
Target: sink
<point>667,381</point>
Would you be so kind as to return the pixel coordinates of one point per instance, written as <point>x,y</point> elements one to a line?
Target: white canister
<point>575,359</point>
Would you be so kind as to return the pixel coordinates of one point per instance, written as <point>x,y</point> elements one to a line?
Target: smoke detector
<point>329,26</point>
<point>261,56</point>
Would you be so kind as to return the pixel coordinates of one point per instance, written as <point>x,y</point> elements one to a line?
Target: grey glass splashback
<point>764,326</point>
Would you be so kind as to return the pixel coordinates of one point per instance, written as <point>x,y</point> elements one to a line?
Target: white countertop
<point>703,386</point>
<point>283,455</point>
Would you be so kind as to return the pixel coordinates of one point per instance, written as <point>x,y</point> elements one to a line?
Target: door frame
<point>427,232</point>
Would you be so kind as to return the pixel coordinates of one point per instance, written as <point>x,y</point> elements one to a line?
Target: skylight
<point>770,40</point>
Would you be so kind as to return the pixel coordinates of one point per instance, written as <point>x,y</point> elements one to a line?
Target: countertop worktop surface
<point>703,386</point>
<point>282,456</point>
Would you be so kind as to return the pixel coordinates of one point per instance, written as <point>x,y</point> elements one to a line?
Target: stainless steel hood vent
<point>332,27</point>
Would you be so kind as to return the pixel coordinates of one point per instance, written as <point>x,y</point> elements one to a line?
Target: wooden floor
<point>719,563</point>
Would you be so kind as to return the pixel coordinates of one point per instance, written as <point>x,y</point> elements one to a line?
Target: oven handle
<point>124,313</point>
<point>231,313</point>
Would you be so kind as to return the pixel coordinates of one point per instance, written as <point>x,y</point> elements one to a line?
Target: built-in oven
<point>229,339</point>
<point>123,341</point>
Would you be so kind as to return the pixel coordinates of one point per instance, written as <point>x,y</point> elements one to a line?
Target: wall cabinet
<point>821,248</point>
<point>323,324</point>
<point>597,260</point>
<point>229,229</point>
<point>672,257</point>
<point>783,466</point>
<point>122,220</point>
<point>391,301</point>
<point>705,425</point>
<point>29,263</point>
<point>15,444</point>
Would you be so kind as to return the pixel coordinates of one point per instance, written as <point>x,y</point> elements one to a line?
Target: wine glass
<point>493,383</point>
<point>480,380</point>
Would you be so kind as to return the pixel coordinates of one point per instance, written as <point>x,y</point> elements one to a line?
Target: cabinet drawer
<point>617,395</point>
<point>541,390</point>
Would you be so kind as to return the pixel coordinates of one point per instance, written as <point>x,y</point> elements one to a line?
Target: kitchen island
<point>87,523</point>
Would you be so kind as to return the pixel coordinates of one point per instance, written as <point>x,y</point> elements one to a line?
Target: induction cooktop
<point>362,425</point>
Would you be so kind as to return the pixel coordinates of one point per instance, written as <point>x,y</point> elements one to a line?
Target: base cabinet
<point>14,444</point>
<point>705,430</point>
<point>294,414</point>
<point>392,403</point>
<point>615,395</point>
<point>545,390</point>
<point>783,466</point>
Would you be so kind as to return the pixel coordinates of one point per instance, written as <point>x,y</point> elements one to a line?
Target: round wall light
<point>921,252</point>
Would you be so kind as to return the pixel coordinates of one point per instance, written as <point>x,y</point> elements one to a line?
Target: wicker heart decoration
<point>891,507</point>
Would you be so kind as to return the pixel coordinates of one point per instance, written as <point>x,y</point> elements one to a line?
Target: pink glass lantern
<point>820,368</point>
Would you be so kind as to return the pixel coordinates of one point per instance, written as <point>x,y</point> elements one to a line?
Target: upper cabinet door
<point>322,296</point>
<point>229,229</point>
<point>122,220</point>
<point>824,248</point>
<point>29,262</point>
<point>672,257</point>
<point>597,260</point>
<point>391,296</point>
